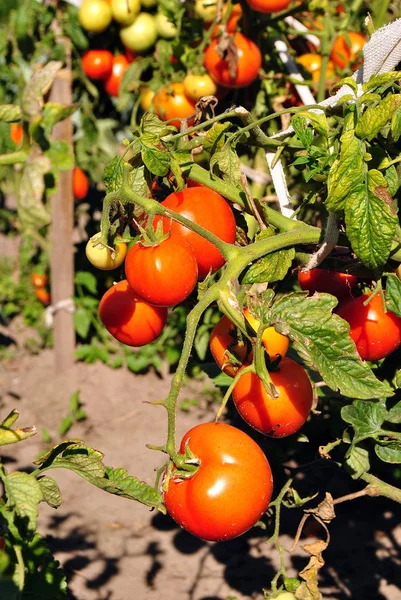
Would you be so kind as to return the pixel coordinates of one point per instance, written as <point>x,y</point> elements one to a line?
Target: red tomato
<point>43,295</point>
<point>232,23</point>
<point>170,102</point>
<point>80,185</point>
<point>224,337</point>
<point>268,6</point>
<point>249,63</point>
<point>339,285</point>
<point>207,208</point>
<point>16,133</point>
<point>113,82</point>
<point>39,280</point>
<point>231,489</point>
<point>97,64</point>
<point>128,318</point>
<point>275,417</point>
<point>376,333</point>
<point>347,49</point>
<point>164,274</point>
<point>130,55</point>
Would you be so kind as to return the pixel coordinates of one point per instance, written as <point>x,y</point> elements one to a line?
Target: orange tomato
<point>224,339</point>
<point>274,342</point>
<point>16,133</point>
<point>80,184</point>
<point>39,280</point>
<point>347,49</point>
<point>313,63</point>
<point>43,296</point>
<point>170,102</point>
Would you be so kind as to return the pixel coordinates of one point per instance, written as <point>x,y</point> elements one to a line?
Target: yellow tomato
<point>101,257</point>
<point>275,343</point>
<point>95,15</point>
<point>141,35</point>
<point>146,99</point>
<point>125,11</point>
<point>196,86</point>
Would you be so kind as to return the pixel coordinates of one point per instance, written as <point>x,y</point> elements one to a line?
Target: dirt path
<point>114,549</point>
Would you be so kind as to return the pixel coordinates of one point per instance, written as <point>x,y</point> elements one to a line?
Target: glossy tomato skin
<point>95,15</point>
<point>268,6</point>
<point>128,318</point>
<point>97,64</point>
<point>113,82</point>
<point>224,338</point>
<point>313,63</point>
<point>101,257</point>
<point>343,53</point>
<point>39,280</point>
<point>275,417</point>
<point>376,334</point>
<point>80,184</point>
<point>16,133</point>
<point>164,274</point>
<point>231,489</point>
<point>249,63</point>
<point>274,342</point>
<point>207,208</point>
<point>196,86</point>
<point>43,295</point>
<point>340,285</point>
<point>171,102</point>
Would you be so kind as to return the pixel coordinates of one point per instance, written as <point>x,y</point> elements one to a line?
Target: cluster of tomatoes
<point>40,282</point>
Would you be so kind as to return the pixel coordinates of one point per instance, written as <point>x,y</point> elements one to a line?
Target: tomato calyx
<point>99,242</point>
<point>182,466</point>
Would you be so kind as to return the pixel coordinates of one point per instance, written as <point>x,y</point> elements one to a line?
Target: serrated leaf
<point>389,453</point>
<point>53,113</point>
<point>229,164</point>
<point>393,294</point>
<point>10,113</point>
<point>347,173</point>
<point>50,491</point>
<point>151,124</point>
<point>118,482</point>
<point>82,322</point>
<point>23,496</point>
<point>38,85</point>
<point>157,161</point>
<point>270,268</point>
<point>396,125</point>
<point>365,417</point>
<point>357,462</point>
<point>303,132</point>
<point>375,118</point>
<point>394,414</point>
<point>215,138</point>
<point>113,173</point>
<point>74,455</point>
<point>322,340</point>
<point>87,280</point>
<point>371,221</point>
<point>318,121</point>
<point>379,80</point>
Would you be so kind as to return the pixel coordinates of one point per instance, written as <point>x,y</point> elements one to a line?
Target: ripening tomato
<point>313,63</point>
<point>97,64</point>
<point>16,133</point>
<point>164,274</point>
<point>95,15</point>
<point>232,24</point>
<point>208,209</point>
<point>39,280</point>
<point>141,35</point>
<point>274,342</point>
<point>275,417</point>
<point>80,184</point>
<point>146,99</point>
<point>376,333</point>
<point>249,63</point>
<point>165,28</point>
<point>231,489</point>
<point>347,49</point>
<point>43,296</point>
<point>128,318</point>
<point>268,6</point>
<point>224,340</point>
<point>171,102</point>
<point>206,10</point>
<point>196,86</point>
<point>125,11</point>
<point>113,82</point>
<point>100,256</point>
<point>340,285</point>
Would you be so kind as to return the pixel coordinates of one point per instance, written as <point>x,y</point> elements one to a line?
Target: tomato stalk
<point>241,372</point>
<point>275,538</point>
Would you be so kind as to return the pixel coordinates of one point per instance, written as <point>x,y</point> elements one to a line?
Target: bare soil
<point>115,549</point>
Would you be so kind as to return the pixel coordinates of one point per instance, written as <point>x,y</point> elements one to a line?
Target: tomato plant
<point>275,344</point>
<point>171,103</point>
<point>163,274</point>
<point>376,333</point>
<point>128,318</point>
<point>209,210</point>
<point>165,27</point>
<point>95,15</point>
<point>275,417</point>
<point>347,49</point>
<point>340,285</point>
<point>113,82</point>
<point>268,6</point>
<point>211,504</point>
<point>230,75</point>
<point>125,11</point>
<point>43,295</point>
<point>39,280</point>
<point>229,350</point>
<point>196,86</point>
<point>97,64</point>
<point>80,184</point>
<point>102,257</point>
<point>141,34</point>
<point>16,133</point>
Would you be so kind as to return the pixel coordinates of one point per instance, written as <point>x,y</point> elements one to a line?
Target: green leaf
<point>394,414</point>
<point>396,125</point>
<point>118,482</point>
<point>389,452</point>
<point>347,173</point>
<point>371,221</point>
<point>50,491</point>
<point>228,163</point>
<point>302,131</point>
<point>222,380</point>
<point>113,174</point>
<point>11,436</point>
<point>53,113</point>
<point>65,425</point>
<point>151,124</point>
<point>375,118</point>
<point>10,113</point>
<point>318,121</point>
<point>357,462</point>
<point>61,155</point>
<point>82,322</point>
<point>156,160</point>
<point>23,496</point>
<point>322,340</point>
<point>31,209</point>
<point>270,268</point>
<point>215,138</point>
<point>384,79</point>
<point>39,84</point>
<point>393,294</point>
<point>365,417</point>
<point>87,280</point>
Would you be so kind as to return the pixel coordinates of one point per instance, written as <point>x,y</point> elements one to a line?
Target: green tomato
<point>125,11</point>
<point>286,596</point>
<point>206,10</point>
<point>95,15</point>
<point>165,28</point>
<point>148,3</point>
<point>101,258</point>
<point>141,35</point>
